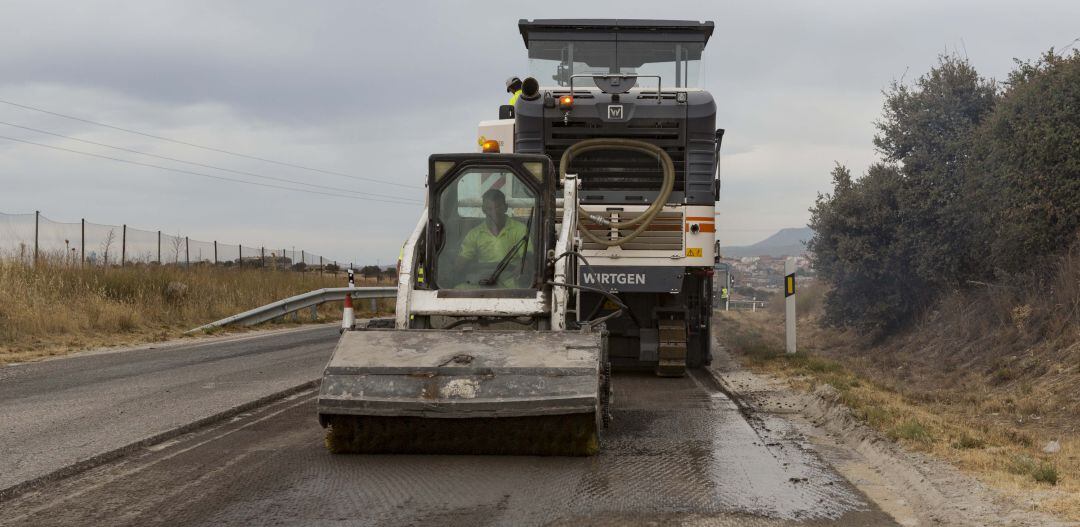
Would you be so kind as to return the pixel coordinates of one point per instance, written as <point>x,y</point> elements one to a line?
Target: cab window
<point>489,223</point>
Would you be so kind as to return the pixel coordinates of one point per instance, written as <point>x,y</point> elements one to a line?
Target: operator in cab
<point>498,245</point>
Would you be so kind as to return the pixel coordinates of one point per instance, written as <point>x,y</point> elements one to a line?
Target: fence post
<point>123,244</point>
<point>82,244</point>
<point>187,251</point>
<point>37,219</point>
<point>159,248</point>
<point>215,252</point>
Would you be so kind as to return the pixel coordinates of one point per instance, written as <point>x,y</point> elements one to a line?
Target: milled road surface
<point>59,412</point>
<point>678,452</point>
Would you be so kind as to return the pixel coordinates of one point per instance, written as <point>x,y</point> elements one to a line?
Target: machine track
<point>672,348</point>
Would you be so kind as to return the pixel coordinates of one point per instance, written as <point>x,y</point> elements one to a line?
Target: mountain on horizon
<point>786,242</point>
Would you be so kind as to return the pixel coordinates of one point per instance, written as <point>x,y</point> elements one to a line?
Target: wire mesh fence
<point>32,238</point>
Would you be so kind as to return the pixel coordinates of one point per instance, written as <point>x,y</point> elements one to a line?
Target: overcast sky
<point>369,90</point>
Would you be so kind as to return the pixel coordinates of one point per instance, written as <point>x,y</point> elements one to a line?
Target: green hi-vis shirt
<point>482,246</point>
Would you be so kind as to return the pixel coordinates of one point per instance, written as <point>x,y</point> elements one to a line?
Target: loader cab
<point>490,224</point>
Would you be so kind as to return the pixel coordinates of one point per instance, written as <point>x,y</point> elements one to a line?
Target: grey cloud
<point>373,88</point>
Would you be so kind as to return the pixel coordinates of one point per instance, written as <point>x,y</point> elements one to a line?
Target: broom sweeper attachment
<point>463,392</point>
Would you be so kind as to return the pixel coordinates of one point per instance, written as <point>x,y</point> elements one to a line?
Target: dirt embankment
<point>55,309</point>
<point>987,382</point>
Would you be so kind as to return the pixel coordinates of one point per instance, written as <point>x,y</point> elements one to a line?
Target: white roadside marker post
<point>789,303</point>
<point>348,317</point>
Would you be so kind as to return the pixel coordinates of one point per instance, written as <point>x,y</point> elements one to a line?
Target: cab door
<point>490,224</point>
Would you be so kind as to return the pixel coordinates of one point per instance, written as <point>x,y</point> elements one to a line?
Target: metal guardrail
<point>299,302</point>
<point>752,305</point>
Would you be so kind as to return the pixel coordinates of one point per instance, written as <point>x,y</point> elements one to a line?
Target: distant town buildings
<point>763,274</point>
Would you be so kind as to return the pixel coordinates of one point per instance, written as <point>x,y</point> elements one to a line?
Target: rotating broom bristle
<point>549,435</point>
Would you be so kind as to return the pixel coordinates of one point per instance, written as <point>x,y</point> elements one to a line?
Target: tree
<point>176,243</point>
<point>1026,168</point>
<point>928,130</point>
<point>110,238</point>
<point>970,174</point>
<point>371,271</point>
<point>858,249</point>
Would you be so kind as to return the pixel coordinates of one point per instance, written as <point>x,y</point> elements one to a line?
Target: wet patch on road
<point>678,452</point>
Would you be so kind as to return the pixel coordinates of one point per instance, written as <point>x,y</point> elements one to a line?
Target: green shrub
<point>911,430</point>
<point>1046,473</point>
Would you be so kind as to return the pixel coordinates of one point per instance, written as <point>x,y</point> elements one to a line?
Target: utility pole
<point>789,301</point>
<point>262,256</point>
<point>123,244</point>
<point>215,252</point>
<point>159,247</point>
<point>187,252</point>
<point>82,244</point>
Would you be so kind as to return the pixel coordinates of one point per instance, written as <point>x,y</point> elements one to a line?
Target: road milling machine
<point>579,239</point>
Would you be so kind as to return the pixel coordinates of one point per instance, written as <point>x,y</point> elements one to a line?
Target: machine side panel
<point>700,148</point>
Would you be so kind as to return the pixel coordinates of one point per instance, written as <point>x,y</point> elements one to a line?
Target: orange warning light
<point>490,146</point>
<point>566,102</point>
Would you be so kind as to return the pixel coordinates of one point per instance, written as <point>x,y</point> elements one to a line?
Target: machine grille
<point>620,171</point>
<point>665,233</point>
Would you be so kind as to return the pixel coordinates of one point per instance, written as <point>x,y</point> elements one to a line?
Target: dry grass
<point>56,309</point>
<point>978,394</point>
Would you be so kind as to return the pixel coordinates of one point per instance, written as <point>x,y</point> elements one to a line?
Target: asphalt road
<point>59,412</point>
<point>678,452</point>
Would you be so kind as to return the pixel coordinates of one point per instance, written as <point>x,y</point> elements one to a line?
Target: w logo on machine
<point>614,111</point>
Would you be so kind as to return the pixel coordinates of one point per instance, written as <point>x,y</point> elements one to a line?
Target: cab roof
<point>615,29</point>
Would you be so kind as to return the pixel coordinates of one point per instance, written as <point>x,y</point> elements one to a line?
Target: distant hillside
<point>786,242</point>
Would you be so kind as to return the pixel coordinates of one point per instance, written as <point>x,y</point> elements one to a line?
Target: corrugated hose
<point>646,218</point>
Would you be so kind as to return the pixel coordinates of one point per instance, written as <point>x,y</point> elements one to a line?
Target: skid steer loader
<point>579,239</point>
<point>480,360</point>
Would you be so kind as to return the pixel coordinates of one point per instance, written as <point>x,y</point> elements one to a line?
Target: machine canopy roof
<point>615,30</point>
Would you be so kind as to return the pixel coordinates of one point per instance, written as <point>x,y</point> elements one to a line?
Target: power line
<point>211,176</point>
<point>241,172</point>
<point>210,148</point>
<point>1069,45</point>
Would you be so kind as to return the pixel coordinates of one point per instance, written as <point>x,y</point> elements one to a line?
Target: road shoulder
<point>913,488</point>
<point>226,335</point>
